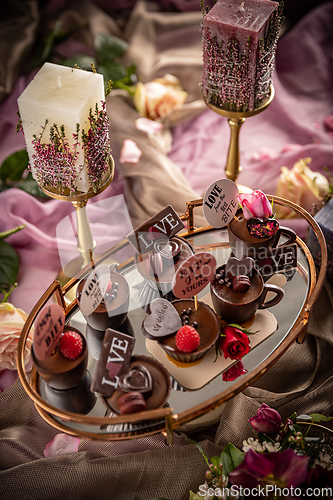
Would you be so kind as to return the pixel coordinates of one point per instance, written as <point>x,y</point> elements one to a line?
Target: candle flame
<point>59,82</point>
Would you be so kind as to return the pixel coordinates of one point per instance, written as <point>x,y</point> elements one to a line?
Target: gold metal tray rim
<point>172,421</point>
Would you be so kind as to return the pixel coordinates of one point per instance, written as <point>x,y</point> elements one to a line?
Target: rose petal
<point>130,153</point>
<point>61,444</point>
<point>149,126</point>
<point>7,378</point>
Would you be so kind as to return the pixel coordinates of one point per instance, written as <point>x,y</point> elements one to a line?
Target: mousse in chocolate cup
<point>236,297</point>
<point>198,332</point>
<point>113,309</point>
<point>67,380</point>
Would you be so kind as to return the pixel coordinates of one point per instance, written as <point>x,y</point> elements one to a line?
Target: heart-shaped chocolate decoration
<point>113,369</point>
<point>262,228</point>
<point>236,267</point>
<point>162,321</point>
<point>137,379</point>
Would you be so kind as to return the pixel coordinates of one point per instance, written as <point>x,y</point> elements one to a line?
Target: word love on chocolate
<point>114,360</point>
<point>193,275</point>
<point>279,259</point>
<point>94,289</point>
<point>49,326</point>
<point>165,223</point>
<point>220,203</point>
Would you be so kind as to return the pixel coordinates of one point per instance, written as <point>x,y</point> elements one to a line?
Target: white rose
<point>12,320</point>
<point>302,186</point>
<point>156,99</point>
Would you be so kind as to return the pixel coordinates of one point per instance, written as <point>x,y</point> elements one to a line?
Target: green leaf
<point>14,166</point>
<point>9,263</point>
<point>316,417</point>
<point>82,60</point>
<point>5,234</point>
<point>230,458</point>
<point>112,71</point>
<point>29,185</point>
<point>304,417</point>
<point>197,445</point>
<point>108,47</point>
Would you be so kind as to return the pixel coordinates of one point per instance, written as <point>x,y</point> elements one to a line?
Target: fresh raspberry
<point>71,345</point>
<point>187,339</point>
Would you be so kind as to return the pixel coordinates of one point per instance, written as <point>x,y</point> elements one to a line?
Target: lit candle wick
<point>59,82</point>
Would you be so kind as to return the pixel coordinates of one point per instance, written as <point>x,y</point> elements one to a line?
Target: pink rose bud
<point>267,420</point>
<point>255,204</point>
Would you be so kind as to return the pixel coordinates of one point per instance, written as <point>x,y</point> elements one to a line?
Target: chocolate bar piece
<point>164,224</point>
<point>114,360</point>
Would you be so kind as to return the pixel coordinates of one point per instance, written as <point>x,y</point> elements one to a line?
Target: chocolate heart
<point>162,321</point>
<point>236,267</point>
<point>113,369</point>
<point>137,379</point>
<point>262,228</point>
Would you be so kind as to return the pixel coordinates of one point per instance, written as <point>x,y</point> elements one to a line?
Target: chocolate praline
<point>204,321</point>
<point>109,313</point>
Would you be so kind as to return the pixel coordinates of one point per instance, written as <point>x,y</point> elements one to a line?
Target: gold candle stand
<point>85,242</point>
<point>236,120</point>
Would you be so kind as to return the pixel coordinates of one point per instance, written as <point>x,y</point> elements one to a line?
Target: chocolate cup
<point>115,312</point>
<point>78,399</point>
<point>59,372</point>
<point>208,328</point>
<point>243,244</point>
<point>239,307</point>
<point>164,280</point>
<point>161,385</point>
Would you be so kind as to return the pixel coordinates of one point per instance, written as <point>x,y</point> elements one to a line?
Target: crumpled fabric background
<point>177,165</point>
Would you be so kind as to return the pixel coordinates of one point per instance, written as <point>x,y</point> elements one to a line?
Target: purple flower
<point>285,470</point>
<point>267,420</point>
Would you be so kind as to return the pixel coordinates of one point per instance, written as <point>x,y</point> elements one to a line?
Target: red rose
<point>234,372</point>
<point>234,344</point>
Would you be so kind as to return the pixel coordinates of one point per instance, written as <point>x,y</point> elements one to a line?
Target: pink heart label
<point>193,275</point>
<point>49,326</point>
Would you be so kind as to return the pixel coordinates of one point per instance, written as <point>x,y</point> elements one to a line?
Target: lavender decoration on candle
<point>66,128</point>
<point>239,43</point>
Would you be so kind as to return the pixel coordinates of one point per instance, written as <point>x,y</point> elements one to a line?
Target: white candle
<point>62,96</point>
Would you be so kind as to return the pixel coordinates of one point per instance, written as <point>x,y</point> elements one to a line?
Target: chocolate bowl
<point>161,384</point>
<point>206,323</point>
<point>243,244</point>
<point>239,307</point>
<point>109,313</point>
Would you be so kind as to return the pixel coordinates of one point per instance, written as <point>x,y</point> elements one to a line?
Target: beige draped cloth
<point>146,468</point>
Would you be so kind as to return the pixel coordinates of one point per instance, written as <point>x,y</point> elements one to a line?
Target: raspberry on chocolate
<point>187,339</point>
<point>71,345</point>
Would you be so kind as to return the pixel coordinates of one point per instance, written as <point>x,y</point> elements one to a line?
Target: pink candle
<point>239,43</point>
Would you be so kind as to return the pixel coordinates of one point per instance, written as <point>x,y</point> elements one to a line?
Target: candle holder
<point>236,120</point>
<point>85,242</point>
